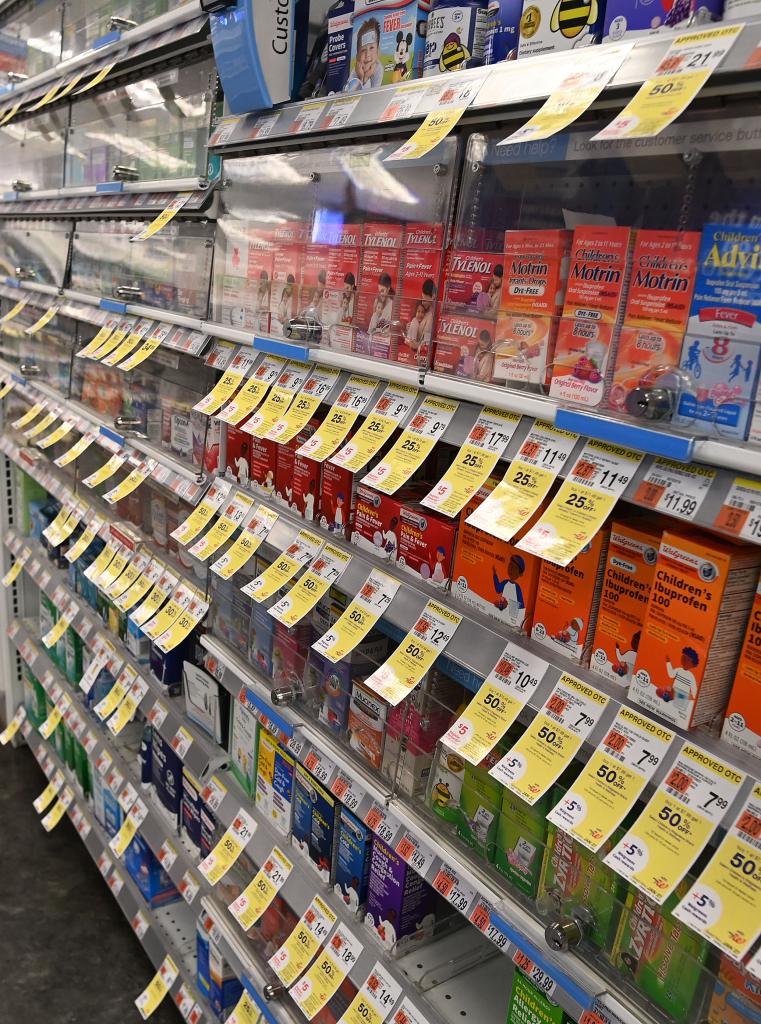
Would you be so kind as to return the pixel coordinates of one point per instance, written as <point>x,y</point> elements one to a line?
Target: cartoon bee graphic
<point>571,17</point>
<point>454,53</point>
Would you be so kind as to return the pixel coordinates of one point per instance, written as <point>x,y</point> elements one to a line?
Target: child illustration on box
<point>414,336</point>
<point>368,70</point>
<point>384,305</point>
<point>483,361</point>
<point>692,363</point>
<point>684,685</point>
<point>624,665</point>
<point>309,501</point>
<point>438,575</point>
<point>337,525</point>
<point>570,633</point>
<point>263,293</point>
<point>286,299</point>
<point>386,930</point>
<point>389,539</point>
<point>509,592</point>
<point>241,465</point>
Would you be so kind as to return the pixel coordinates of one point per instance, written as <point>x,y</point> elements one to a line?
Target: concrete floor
<point>69,952</point>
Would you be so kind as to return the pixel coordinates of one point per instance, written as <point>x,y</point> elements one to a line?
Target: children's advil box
<point>742,724</point>
<point>690,642</point>
<point>629,570</point>
<point>725,373</point>
<point>727,299</point>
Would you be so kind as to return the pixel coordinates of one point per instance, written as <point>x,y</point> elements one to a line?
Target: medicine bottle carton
<point>742,722</point>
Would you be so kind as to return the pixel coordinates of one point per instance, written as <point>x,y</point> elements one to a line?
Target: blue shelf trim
<point>110,186</point>
<point>266,709</point>
<point>576,992</point>
<point>19,379</point>
<point>112,435</point>
<point>627,434</point>
<point>13,282</point>
<point>10,197</point>
<point>289,349</point>
<point>112,37</point>
<point>259,1000</point>
<point>112,306</point>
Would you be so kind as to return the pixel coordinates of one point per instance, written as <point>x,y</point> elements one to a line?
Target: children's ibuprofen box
<point>686,659</point>
<point>492,575</point>
<point>629,570</point>
<point>742,724</point>
<point>568,599</point>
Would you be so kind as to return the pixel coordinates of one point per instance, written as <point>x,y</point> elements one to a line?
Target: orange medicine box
<point>742,724</point>
<point>567,601</point>
<point>629,570</point>
<point>491,575</point>
<point>701,590</point>
<point>662,280</point>
<point>535,271</point>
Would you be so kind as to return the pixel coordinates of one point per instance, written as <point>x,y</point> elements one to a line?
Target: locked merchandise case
<point>33,152</point>
<point>87,26</point>
<point>35,250</point>
<point>31,41</point>
<point>157,129</point>
<point>337,247</point>
<point>170,270</point>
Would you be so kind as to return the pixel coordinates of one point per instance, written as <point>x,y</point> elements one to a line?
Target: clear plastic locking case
<point>32,152</point>
<point>85,25</point>
<point>35,250</point>
<point>31,40</point>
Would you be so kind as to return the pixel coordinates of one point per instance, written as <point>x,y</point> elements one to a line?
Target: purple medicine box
<point>399,903</point>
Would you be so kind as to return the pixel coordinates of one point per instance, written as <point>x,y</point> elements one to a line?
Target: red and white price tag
<point>458,893</point>
<point>415,852</point>
<point>115,883</point>
<point>157,714</point>
<point>140,924</point>
<point>188,887</point>
<point>181,742</point>
<point>213,793</point>
<point>167,855</point>
<point>480,916</point>
<point>382,822</point>
<point>535,974</point>
<point>319,765</point>
<point>348,791</point>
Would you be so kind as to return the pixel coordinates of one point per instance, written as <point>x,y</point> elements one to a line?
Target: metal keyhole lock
<point>564,932</point>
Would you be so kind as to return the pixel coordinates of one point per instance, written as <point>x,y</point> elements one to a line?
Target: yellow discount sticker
<point>252,535</point>
<point>144,352</point>
<point>687,65</point>
<point>47,421</point>
<point>131,482</point>
<point>301,946</point>
<point>613,779</point>
<point>675,826</point>
<point>169,212</point>
<point>315,391</point>
<point>325,571</point>
<point>351,403</point>
<point>374,597</point>
<point>105,472</point>
<point>115,568</point>
<point>586,498</point>
<point>232,844</point>
<point>550,743</point>
<point>397,677</point>
<point>43,321</point>
<point>6,387</point>
<point>375,1000</point>
<point>504,693</point>
<point>151,998</point>
<point>29,415</point>
<point>287,384</point>
<point>261,891</point>
<point>13,572</point>
<point>202,514</point>
<point>49,793</point>
<point>322,980</point>
<point>126,710</point>
<point>77,449</point>
<point>13,726</point>
<point>54,815</point>
<point>427,426</point>
<point>132,572</point>
<point>60,432</point>
<point>434,129</point>
<point>182,627</point>
<point>231,518</point>
<point>54,634</point>
<point>283,568</point>
<point>170,612</point>
<point>245,1012</point>
<point>140,587</point>
<point>132,822</point>
<point>129,344</point>
<point>159,593</point>
<point>111,324</point>
<point>472,466</point>
<point>84,541</point>
<point>123,330</point>
<point>13,312</point>
<point>50,724</point>
<point>724,904</point>
<point>222,391</point>
<point>253,391</point>
<point>390,410</point>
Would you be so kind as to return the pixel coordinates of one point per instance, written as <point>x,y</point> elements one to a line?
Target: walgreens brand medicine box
<point>742,724</point>
<point>690,642</point>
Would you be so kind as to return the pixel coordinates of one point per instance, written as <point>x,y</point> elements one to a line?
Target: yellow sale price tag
<point>687,65</point>
<point>13,572</point>
<point>246,1011</point>
<point>322,980</point>
<point>229,848</point>
<point>550,743</point>
<point>247,543</point>
<point>6,387</point>
<point>169,212</point>
<point>427,639</point>
<point>225,387</point>
<point>136,591</point>
<point>124,836</point>
<point>94,344</point>
<point>13,313</point>
<point>375,1000</point>
<point>54,634</point>
<point>351,403</point>
<point>162,981</point>
<point>315,391</point>
<point>83,542</point>
<point>43,424</point>
<point>597,480</point>
<point>126,710</point>
<point>325,571</point>
<point>427,426</point>
<point>171,611</point>
<point>108,704</point>
<point>75,451</point>
<point>106,471</point>
<point>54,815</point>
<point>301,946</point>
<point>140,355</point>
<point>434,129</point>
<point>132,572</point>
<point>13,726</point>
<point>29,415</point>
<point>374,597</point>
<point>202,514</point>
<point>505,692</point>
<point>672,831</point>
<point>251,394</point>
<point>158,595</point>
<point>60,432</point>
<point>388,412</point>
<point>115,568</point>
<point>231,518</point>
<point>130,483</point>
<point>472,466</point>
<point>280,397</point>
<point>50,724</point>
<point>43,801</point>
<point>44,320</point>
<point>114,339</point>
<point>183,626</point>
<point>261,891</point>
<point>613,779</point>
<point>724,904</point>
<point>96,79</point>
<point>129,344</point>
<point>298,554</point>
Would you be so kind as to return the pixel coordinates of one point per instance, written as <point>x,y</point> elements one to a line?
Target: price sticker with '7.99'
<point>673,829</point>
